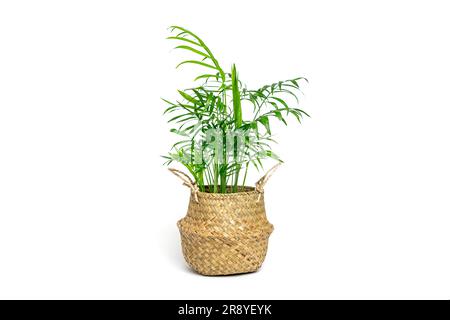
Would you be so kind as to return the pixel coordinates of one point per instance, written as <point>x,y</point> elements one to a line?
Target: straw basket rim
<point>248,191</point>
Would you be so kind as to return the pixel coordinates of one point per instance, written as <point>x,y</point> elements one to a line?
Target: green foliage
<point>216,144</point>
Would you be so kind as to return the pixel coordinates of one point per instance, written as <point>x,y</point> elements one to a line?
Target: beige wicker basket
<point>227,233</point>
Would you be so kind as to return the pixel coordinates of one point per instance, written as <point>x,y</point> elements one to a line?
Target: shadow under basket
<point>225,233</point>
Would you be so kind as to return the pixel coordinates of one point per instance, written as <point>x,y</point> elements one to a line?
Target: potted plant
<point>225,230</point>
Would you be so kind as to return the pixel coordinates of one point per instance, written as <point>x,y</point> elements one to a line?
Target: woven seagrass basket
<point>225,233</point>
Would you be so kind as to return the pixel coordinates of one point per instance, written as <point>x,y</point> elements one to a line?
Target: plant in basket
<point>225,230</point>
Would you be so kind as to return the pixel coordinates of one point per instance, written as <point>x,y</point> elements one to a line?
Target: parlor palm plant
<point>217,145</point>
<point>225,230</point>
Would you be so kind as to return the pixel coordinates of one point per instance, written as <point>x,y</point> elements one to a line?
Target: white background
<point>361,206</point>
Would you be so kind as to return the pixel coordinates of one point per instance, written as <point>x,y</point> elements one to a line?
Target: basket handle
<point>187,181</point>
<point>259,186</point>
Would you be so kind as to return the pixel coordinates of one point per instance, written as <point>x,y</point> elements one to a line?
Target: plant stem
<point>236,178</point>
<point>216,178</point>
<point>245,176</point>
<point>201,182</point>
<point>223,169</point>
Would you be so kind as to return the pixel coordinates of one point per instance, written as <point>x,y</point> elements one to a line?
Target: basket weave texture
<point>225,234</point>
